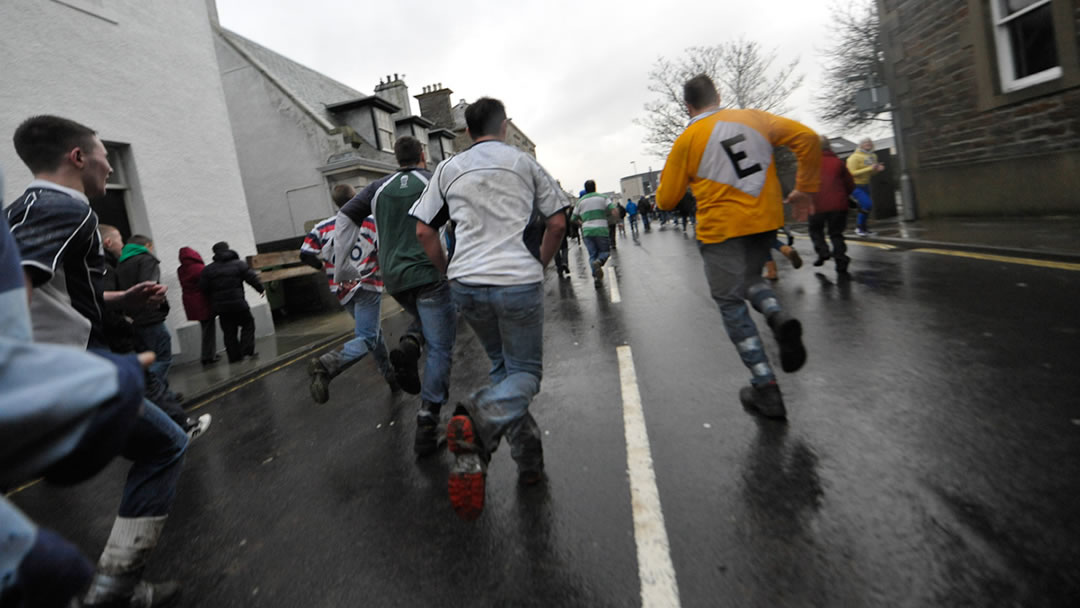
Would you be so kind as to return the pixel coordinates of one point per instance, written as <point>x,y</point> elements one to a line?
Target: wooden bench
<point>280,265</point>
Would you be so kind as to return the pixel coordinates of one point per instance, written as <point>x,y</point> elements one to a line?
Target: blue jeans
<point>599,248</point>
<point>156,337</point>
<point>509,322</point>
<point>366,308</point>
<point>156,447</point>
<point>430,305</point>
<point>733,271</point>
<point>862,195</point>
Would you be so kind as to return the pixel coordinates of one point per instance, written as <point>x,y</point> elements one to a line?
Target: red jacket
<point>836,184</point>
<point>196,305</point>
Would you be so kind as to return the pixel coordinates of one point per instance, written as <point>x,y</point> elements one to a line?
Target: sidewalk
<point>1055,237</point>
<point>291,338</point>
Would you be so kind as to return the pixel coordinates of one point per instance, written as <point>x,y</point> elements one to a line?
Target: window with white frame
<point>1026,46</point>
<point>385,125</point>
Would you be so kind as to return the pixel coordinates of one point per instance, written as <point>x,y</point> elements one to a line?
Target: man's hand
<point>144,295</point>
<point>146,358</point>
<point>878,168</point>
<point>800,202</point>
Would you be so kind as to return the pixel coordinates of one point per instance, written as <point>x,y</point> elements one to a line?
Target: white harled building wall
<point>145,76</point>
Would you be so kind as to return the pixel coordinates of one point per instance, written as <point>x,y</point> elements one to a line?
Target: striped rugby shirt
<point>593,210</point>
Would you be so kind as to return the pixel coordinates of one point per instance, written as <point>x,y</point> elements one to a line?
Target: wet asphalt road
<point>931,458</point>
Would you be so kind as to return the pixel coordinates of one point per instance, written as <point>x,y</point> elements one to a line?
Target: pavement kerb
<point>226,385</point>
<point>909,243</point>
<point>1065,256</point>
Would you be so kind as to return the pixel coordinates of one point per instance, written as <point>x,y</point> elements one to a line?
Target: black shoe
<point>788,332</point>
<point>211,361</point>
<point>404,358</point>
<point>427,429</point>
<point>821,259</point>
<point>318,380</point>
<point>765,400</point>
<point>842,265</point>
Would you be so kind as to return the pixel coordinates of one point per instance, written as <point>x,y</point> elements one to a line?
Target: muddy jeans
<point>509,322</point>
<point>733,271</point>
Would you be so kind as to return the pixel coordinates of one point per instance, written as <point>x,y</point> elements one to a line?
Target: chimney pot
<point>395,76</point>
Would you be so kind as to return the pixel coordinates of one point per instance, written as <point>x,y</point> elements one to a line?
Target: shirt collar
<point>44,183</point>
<point>701,116</point>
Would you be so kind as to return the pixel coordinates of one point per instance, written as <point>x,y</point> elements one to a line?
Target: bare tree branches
<point>743,72</point>
<point>854,56</point>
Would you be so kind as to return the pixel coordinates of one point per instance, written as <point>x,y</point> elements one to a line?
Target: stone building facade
<point>989,100</point>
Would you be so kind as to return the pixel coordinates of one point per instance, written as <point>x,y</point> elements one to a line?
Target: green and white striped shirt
<point>593,210</point>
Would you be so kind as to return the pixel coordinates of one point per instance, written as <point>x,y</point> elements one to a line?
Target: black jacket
<point>223,282</point>
<point>135,270</point>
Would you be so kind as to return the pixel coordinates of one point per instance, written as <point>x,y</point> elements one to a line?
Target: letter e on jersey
<point>738,156</point>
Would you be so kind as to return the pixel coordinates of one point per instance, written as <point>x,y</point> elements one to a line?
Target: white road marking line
<point>655,569</point>
<point>614,286</point>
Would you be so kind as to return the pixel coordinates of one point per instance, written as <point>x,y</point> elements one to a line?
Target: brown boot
<point>792,256</point>
<point>770,270</point>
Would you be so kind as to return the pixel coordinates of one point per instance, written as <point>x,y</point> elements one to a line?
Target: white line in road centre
<point>658,585</point>
<point>614,286</point>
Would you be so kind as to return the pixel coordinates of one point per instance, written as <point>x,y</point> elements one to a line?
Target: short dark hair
<point>139,239</point>
<point>485,117</point>
<point>407,151</point>
<point>700,92</point>
<point>590,186</point>
<point>42,141</point>
<point>342,193</point>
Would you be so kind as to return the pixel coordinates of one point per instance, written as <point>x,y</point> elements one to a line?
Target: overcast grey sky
<point>572,73</point>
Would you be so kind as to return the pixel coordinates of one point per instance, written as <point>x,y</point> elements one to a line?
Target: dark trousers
<point>833,223</point>
<point>209,339</point>
<point>562,255</point>
<point>244,323</point>
<point>611,235</point>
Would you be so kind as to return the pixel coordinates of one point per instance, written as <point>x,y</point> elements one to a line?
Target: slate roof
<point>313,88</point>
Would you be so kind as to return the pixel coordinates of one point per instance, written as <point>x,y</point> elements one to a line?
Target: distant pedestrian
<point>686,208</point>
<point>562,255</point>
<point>831,209</point>
<point>645,209</point>
<point>360,294</point>
<point>632,212</point>
<point>863,164</point>
<point>137,264</point>
<point>223,282</point>
<point>196,304</point>
<point>621,209</point>
<point>612,221</point>
<point>592,213</point>
<point>496,280</point>
<point>725,156</point>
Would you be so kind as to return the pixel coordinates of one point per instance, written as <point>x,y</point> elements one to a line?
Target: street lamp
<point>634,164</point>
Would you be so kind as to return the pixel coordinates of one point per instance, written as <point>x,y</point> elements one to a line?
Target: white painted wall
<point>143,74</point>
<point>280,149</point>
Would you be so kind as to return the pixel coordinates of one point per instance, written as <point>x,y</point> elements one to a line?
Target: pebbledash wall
<point>145,76</point>
<point>977,146</point>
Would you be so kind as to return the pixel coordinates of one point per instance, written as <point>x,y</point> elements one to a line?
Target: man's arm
<point>346,235</point>
<point>252,278</point>
<point>311,249</point>
<point>676,175</point>
<point>553,235</point>
<point>140,296</point>
<point>856,168</point>
<point>429,240</point>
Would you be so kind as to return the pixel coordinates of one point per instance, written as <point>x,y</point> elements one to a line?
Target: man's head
<point>699,94</point>
<point>138,239</point>
<point>486,117</point>
<point>867,144</point>
<point>220,247</point>
<point>590,186</point>
<point>342,194</point>
<point>409,152</point>
<point>111,239</point>
<point>63,151</point>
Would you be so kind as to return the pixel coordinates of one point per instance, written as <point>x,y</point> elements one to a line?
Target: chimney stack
<point>396,92</point>
<point>435,106</point>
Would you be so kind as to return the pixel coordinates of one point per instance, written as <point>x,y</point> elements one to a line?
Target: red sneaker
<point>467,475</point>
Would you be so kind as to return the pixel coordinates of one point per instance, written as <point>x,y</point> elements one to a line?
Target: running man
<point>726,158</point>
<point>509,220</point>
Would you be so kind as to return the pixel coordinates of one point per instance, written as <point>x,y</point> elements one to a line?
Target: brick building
<point>989,99</point>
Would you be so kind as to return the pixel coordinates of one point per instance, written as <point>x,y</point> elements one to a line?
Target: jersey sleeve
<point>676,176</point>
<point>431,207</point>
<point>47,233</point>
<point>805,143</point>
